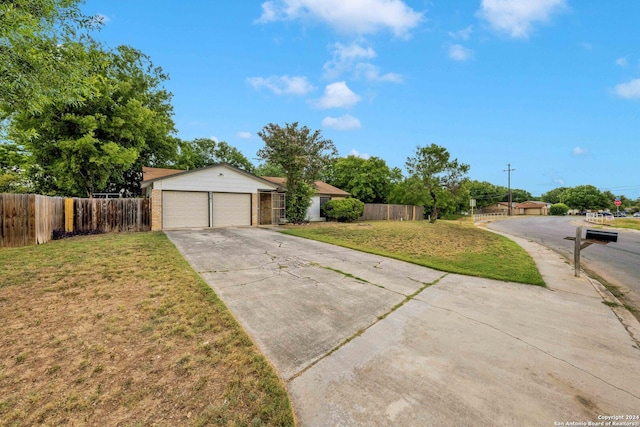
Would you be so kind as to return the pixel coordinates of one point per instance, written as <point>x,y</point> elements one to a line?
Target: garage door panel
<point>231,209</point>
<point>185,209</point>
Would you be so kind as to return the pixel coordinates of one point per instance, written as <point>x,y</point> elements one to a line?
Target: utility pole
<point>509,170</point>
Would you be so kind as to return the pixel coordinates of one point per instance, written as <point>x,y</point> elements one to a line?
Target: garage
<point>185,209</point>
<point>218,195</point>
<point>231,209</point>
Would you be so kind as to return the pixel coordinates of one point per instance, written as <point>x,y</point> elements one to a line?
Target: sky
<point>549,87</point>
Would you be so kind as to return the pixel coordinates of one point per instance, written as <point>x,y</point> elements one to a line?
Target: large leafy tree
<point>101,144</point>
<point>485,193</point>
<point>369,180</point>
<point>554,196</point>
<point>202,152</point>
<point>302,154</point>
<point>439,175</point>
<point>39,59</point>
<point>13,162</point>
<point>585,197</point>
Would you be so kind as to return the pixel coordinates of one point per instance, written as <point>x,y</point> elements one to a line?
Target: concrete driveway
<point>365,340</point>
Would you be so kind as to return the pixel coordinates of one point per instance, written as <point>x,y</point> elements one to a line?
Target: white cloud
<point>244,135</point>
<point>215,138</point>
<point>622,62</point>
<point>463,34</point>
<point>355,153</point>
<point>516,17</point>
<point>629,90</point>
<point>337,95</point>
<point>347,59</point>
<point>578,151</point>
<point>460,53</point>
<point>346,122</point>
<point>282,85</point>
<point>352,16</point>
<point>372,73</point>
<point>344,58</point>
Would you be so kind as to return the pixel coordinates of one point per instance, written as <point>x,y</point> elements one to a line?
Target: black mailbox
<point>602,236</point>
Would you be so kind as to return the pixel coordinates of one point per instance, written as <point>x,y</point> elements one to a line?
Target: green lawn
<point>119,330</point>
<point>452,246</point>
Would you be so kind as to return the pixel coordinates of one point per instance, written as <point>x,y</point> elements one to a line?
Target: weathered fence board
<point>379,211</point>
<point>29,219</point>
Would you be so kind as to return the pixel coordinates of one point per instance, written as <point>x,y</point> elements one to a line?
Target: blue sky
<point>550,86</point>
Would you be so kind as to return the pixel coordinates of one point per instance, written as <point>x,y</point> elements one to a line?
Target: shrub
<point>59,233</point>
<point>559,209</point>
<point>343,210</point>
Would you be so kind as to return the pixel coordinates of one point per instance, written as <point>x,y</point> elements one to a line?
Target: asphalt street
<point>618,263</point>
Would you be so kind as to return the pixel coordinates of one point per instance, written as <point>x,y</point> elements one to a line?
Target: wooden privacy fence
<point>378,211</point>
<point>30,219</point>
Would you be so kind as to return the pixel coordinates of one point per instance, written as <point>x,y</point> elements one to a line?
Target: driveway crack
<point>363,330</point>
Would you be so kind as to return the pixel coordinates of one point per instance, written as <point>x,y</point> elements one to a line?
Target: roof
<point>321,187</point>
<point>150,175</point>
<point>526,205</point>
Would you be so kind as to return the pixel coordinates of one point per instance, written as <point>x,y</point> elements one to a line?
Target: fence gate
<point>278,208</point>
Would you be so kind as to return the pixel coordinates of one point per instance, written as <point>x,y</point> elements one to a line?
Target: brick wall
<point>156,210</point>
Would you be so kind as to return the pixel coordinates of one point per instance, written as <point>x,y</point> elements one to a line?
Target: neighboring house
<point>526,208</point>
<point>214,196</point>
<point>324,193</point>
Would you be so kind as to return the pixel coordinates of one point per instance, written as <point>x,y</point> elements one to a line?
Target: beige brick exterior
<point>254,209</point>
<point>156,210</point>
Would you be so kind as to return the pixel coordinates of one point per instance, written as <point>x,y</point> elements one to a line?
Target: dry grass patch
<point>630,223</point>
<point>453,246</point>
<point>119,330</point>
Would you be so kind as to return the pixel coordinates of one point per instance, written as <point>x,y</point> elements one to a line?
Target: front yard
<point>453,246</point>
<point>119,330</point>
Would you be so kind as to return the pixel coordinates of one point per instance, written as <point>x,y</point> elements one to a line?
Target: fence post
<point>68,215</point>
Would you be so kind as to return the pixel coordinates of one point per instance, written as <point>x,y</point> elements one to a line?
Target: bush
<point>343,210</point>
<point>59,233</point>
<point>559,209</point>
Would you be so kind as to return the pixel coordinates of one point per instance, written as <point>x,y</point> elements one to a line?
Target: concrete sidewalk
<point>365,340</point>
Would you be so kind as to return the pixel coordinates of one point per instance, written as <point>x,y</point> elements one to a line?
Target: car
<point>636,215</point>
<point>620,215</point>
<point>607,215</point>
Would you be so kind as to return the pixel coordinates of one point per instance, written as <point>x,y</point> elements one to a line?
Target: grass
<point>630,223</point>
<point>119,330</point>
<point>451,246</point>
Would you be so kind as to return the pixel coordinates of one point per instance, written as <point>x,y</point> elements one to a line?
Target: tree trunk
<point>434,208</point>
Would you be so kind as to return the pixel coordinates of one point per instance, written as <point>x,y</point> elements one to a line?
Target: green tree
<point>585,197</point>
<point>79,149</point>
<point>410,191</point>
<point>558,209</point>
<point>485,193</point>
<point>517,195</point>
<point>554,196</point>
<point>302,154</point>
<point>203,152</point>
<point>13,163</point>
<point>368,180</point>
<point>40,60</point>
<point>439,175</point>
<point>268,169</point>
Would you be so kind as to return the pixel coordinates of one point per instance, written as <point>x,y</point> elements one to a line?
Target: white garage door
<point>231,209</point>
<point>185,209</point>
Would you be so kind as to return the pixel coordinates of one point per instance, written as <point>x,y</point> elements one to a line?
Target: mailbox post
<point>599,237</point>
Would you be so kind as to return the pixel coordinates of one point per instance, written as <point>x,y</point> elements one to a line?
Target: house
<point>221,195</point>
<point>324,193</point>
<point>526,208</point>
<point>214,196</point>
